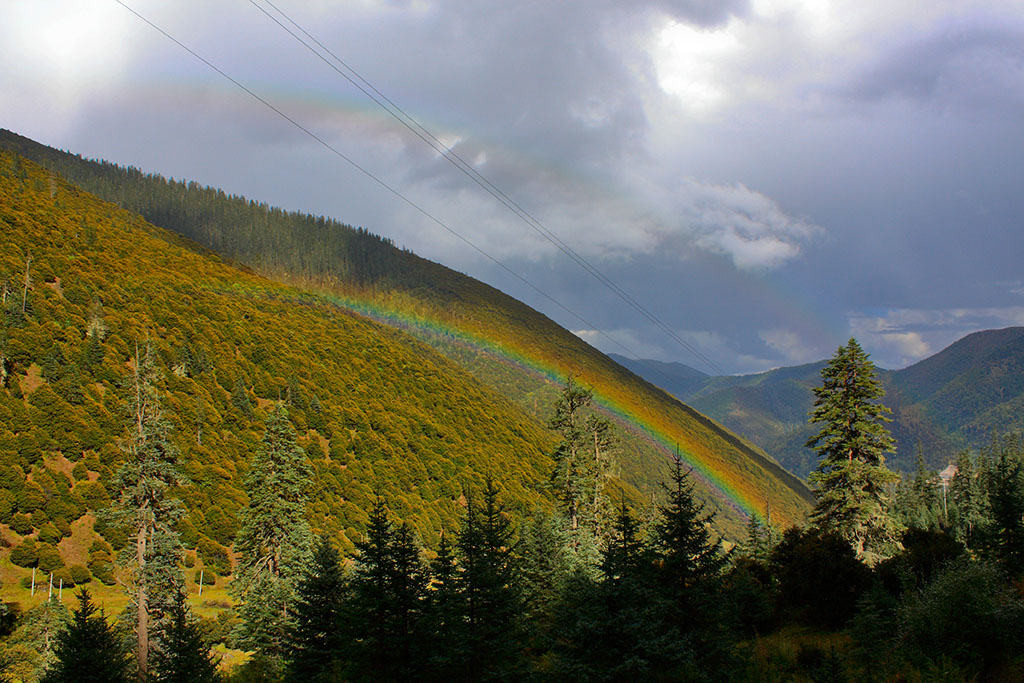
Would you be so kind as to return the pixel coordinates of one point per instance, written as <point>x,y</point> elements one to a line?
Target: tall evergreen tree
<point>183,655</point>
<point>688,577</point>
<point>443,618</point>
<point>490,590</point>
<point>1004,531</point>
<point>968,500</point>
<point>386,602</point>
<point>145,508</point>
<point>317,637</point>
<point>583,458</point>
<point>273,542</point>
<point>851,479</point>
<point>87,650</point>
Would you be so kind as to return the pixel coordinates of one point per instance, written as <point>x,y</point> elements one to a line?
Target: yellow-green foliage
<point>393,414</point>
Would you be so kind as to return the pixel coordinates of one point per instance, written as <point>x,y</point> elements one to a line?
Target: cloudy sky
<point>765,177</point>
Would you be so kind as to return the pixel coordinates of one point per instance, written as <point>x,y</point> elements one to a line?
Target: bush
<point>6,506</point>
<point>80,574</point>
<point>214,556</point>
<point>49,557</point>
<point>80,472</point>
<point>819,577</point>
<point>49,533</point>
<point>25,554</point>
<point>102,567</point>
<point>21,524</point>
<point>205,577</point>
<point>62,578</point>
<point>969,614</point>
<point>99,546</point>
<point>114,535</point>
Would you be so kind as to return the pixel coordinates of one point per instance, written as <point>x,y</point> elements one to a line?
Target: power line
<point>373,177</point>
<point>467,169</point>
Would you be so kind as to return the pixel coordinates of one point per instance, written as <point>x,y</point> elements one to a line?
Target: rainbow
<point>733,495</point>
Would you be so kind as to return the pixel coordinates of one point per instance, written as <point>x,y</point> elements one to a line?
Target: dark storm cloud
<point>975,62</point>
<point>776,176</point>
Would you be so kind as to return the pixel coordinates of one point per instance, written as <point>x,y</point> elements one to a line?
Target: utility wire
<point>403,117</point>
<point>373,177</point>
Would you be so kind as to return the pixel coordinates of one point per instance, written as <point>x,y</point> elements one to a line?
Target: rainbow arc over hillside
<point>745,495</point>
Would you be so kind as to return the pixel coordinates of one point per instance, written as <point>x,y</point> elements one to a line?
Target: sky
<point>765,178</point>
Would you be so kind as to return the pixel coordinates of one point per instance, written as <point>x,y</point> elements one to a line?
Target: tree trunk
<point>142,630</point>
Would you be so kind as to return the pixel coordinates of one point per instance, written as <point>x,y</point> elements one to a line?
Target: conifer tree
<point>183,655</point>
<point>386,600</point>
<point>851,479</point>
<point>146,510</point>
<point>1004,532</point>
<point>968,500</point>
<point>687,579</point>
<point>87,650</point>
<point>443,617</point>
<point>490,589</point>
<point>317,636</point>
<point>273,541</point>
<point>583,459</point>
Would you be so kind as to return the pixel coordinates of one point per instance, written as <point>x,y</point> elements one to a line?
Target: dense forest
<point>502,342</point>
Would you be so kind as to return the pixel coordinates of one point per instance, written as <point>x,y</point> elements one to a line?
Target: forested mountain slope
<point>960,397</point>
<point>375,409</point>
<point>509,346</point>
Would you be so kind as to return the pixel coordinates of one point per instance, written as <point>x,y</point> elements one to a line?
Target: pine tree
<point>146,509</point>
<point>490,590</point>
<point>273,541</point>
<point>87,649</point>
<point>183,655</point>
<point>851,479</point>
<point>444,617</point>
<point>968,500</point>
<point>583,460</point>
<point>317,636</point>
<point>386,604</point>
<point>688,581</point>
<point>1004,531</point>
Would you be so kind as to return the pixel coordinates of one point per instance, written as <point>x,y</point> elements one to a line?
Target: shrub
<point>62,578</point>
<point>49,557</point>
<point>99,546</point>
<point>819,577</point>
<point>214,556</point>
<point>205,577</point>
<point>21,524</point>
<point>102,567</point>
<point>80,574</point>
<point>6,506</point>
<point>25,554</point>
<point>80,472</point>
<point>49,533</point>
<point>969,614</point>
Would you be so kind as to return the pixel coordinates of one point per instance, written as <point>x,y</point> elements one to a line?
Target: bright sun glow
<point>686,59</point>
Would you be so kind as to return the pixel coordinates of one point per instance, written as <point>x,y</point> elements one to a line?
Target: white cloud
<point>906,335</point>
<point>789,344</point>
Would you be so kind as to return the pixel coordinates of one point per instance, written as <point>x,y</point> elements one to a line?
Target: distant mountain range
<point>958,398</point>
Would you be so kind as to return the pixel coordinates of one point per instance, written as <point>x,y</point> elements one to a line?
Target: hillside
<point>512,348</point>
<point>374,408</point>
<point>958,398</point>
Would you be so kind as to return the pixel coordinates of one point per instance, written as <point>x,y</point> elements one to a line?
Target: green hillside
<point>515,350</point>
<point>960,397</point>
<point>375,409</point>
